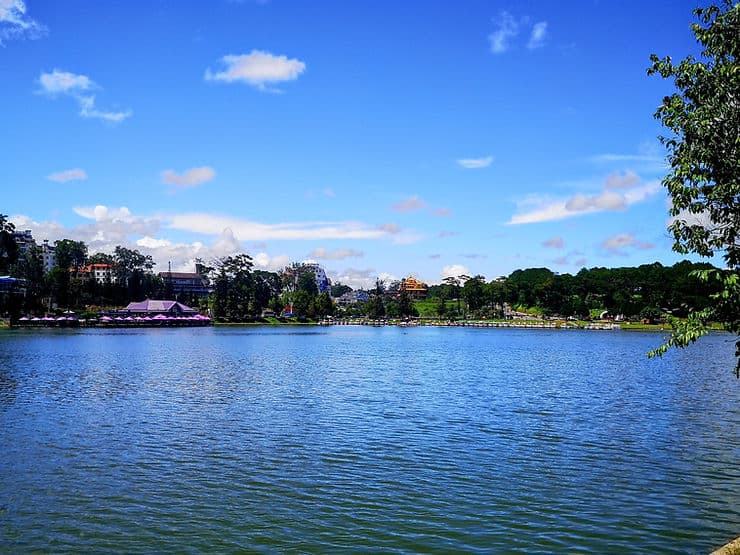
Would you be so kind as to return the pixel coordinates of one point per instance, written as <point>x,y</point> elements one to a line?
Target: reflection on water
<point>393,439</point>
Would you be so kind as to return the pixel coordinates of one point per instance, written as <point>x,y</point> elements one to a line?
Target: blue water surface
<point>307,439</point>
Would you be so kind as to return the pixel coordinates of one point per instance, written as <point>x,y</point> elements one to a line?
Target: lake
<point>308,439</point>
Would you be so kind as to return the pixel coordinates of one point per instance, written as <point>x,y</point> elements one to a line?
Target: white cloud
<point>411,204</point>
<point>506,29</point>
<point>67,175</point>
<point>189,178</point>
<point>339,254</point>
<point>356,279</point>
<point>544,209</point>
<point>264,261</point>
<point>258,68</point>
<point>553,243</point>
<point>607,200</point>
<point>622,181</point>
<point>88,110</point>
<point>15,23</point>
<point>442,212</point>
<point>76,85</point>
<point>617,243</point>
<point>64,82</point>
<point>454,270</point>
<point>390,228</point>
<point>537,36</point>
<point>475,163</point>
<point>613,157</point>
<point>211,224</point>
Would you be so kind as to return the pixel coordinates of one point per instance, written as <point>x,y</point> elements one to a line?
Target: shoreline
<point>497,324</point>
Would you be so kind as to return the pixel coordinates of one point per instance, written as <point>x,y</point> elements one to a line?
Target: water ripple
<point>368,439</point>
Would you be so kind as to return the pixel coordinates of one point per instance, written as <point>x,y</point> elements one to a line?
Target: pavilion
<point>151,307</point>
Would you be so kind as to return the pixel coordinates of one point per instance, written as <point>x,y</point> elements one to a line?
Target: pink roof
<point>159,306</point>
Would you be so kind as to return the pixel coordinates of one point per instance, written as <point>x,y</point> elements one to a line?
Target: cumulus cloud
<point>454,270</point>
<point>75,174</point>
<point>355,278</point>
<point>475,163</point>
<point>78,86</point>
<point>553,243</point>
<point>339,254</point>
<point>411,204</point>
<point>535,208</point>
<point>258,69</point>
<point>442,212</point>
<point>626,180</point>
<point>189,178</point>
<point>264,261</point>
<point>617,243</point>
<point>15,22</point>
<point>506,29</point>
<point>537,36</point>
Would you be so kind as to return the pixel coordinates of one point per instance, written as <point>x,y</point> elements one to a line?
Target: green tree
<point>406,306</point>
<point>703,119</point>
<point>8,246</point>
<point>474,293</point>
<point>70,254</point>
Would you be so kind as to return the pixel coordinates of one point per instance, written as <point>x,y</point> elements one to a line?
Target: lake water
<point>340,439</point>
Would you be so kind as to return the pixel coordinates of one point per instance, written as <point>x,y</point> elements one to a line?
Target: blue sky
<point>377,138</point>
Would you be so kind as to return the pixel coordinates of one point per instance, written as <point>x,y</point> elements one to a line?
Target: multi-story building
<point>413,287</point>
<point>323,283</point>
<point>48,255</point>
<point>24,240</point>
<point>101,273</point>
<point>192,284</point>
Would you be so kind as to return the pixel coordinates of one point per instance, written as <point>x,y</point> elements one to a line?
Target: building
<point>190,284</point>
<point>101,273</point>
<point>351,298</point>
<point>48,255</point>
<point>24,240</point>
<point>323,283</point>
<point>413,287</point>
<point>151,307</point>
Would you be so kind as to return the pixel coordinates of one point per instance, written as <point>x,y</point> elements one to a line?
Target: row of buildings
<point>196,284</point>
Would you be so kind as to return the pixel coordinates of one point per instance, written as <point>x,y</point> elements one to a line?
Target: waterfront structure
<point>152,307</point>
<point>413,287</point>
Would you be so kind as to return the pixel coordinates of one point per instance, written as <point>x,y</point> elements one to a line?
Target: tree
<point>8,246</point>
<point>473,292</point>
<point>703,120</point>
<point>70,254</point>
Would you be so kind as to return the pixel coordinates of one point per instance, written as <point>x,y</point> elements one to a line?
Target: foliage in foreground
<point>703,118</point>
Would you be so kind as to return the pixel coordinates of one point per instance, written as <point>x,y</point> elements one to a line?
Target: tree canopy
<point>703,144</point>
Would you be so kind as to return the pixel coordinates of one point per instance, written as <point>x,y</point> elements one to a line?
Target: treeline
<point>646,292</point>
<point>239,292</point>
